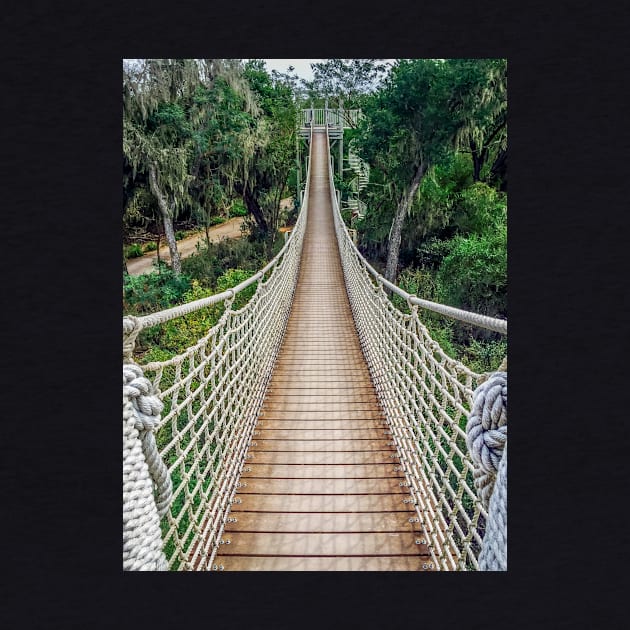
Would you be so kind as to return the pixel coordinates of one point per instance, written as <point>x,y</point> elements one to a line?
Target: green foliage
<point>151,246</point>
<point>180,333</point>
<point>474,275</point>
<point>155,353</point>
<point>237,209</point>
<point>487,355</point>
<point>134,251</point>
<point>432,251</point>
<point>232,278</point>
<point>482,208</point>
<point>179,235</point>
<point>345,78</point>
<point>154,291</point>
<point>212,261</point>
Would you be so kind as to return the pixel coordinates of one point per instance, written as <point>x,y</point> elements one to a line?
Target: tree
<point>188,128</point>
<point>479,100</point>
<point>156,134</point>
<point>408,128</point>
<point>225,143</point>
<point>345,79</point>
<point>264,177</point>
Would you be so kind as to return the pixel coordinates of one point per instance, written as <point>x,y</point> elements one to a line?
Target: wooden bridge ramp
<point>321,490</point>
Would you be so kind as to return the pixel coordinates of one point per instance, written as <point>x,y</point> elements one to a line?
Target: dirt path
<point>186,247</point>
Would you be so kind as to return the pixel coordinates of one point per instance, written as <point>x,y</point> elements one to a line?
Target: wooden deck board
<point>326,471</point>
<point>320,503</point>
<point>328,459</point>
<point>325,544</point>
<point>325,522</point>
<point>315,563</point>
<point>321,490</point>
<point>318,485</point>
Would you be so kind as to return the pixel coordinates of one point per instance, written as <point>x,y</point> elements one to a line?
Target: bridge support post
<point>298,164</point>
<point>341,125</point>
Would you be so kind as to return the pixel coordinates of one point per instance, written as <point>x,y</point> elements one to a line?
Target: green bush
<point>486,356</point>
<point>238,209</point>
<point>210,262</point>
<point>432,252</point>
<point>179,235</point>
<point>481,209</point>
<point>154,291</point>
<point>150,247</point>
<point>218,220</point>
<point>180,333</point>
<point>233,277</point>
<point>474,275</point>
<point>134,251</point>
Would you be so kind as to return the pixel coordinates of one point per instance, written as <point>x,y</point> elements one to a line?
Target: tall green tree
<point>346,79</point>
<point>155,133</point>
<point>225,141</point>
<point>479,101</point>
<point>408,129</point>
<point>264,177</point>
<point>185,121</point>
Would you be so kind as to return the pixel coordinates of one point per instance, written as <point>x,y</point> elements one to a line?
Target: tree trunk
<point>125,270</point>
<point>159,238</point>
<point>169,232</point>
<point>254,207</point>
<point>499,170</point>
<point>167,220</point>
<point>477,161</point>
<point>393,248</point>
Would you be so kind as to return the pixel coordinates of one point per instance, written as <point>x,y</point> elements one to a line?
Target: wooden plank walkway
<point>321,490</point>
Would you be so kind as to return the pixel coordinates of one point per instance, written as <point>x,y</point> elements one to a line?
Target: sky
<point>302,66</point>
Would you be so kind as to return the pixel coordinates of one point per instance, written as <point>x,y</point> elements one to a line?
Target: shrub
<point>150,246</point>
<point>486,356</point>
<point>210,262</point>
<point>180,234</point>
<point>432,252</point>
<point>474,275</point>
<point>238,209</point>
<point>180,333</point>
<point>154,291</point>
<point>482,209</point>
<point>134,251</point>
<point>233,277</point>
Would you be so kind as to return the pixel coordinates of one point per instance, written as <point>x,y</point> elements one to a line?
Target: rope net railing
<point>209,397</point>
<point>427,397</point>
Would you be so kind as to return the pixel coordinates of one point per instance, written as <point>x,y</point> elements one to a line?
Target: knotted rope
<point>131,330</point>
<point>493,556</point>
<point>143,469</point>
<point>486,438</point>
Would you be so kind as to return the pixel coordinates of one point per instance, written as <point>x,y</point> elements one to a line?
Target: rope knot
<point>147,486</point>
<point>486,432</point>
<point>131,330</point>
<point>140,392</point>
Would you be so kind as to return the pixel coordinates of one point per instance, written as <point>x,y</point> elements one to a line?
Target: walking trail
<point>186,247</point>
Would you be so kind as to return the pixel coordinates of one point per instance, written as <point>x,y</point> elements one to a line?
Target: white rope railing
<point>427,397</point>
<point>334,117</point>
<point>188,421</point>
<point>211,396</point>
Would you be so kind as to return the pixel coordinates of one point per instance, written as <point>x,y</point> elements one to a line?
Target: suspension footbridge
<point>315,428</point>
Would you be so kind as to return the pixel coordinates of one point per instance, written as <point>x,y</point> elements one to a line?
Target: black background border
<point>61,462</point>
